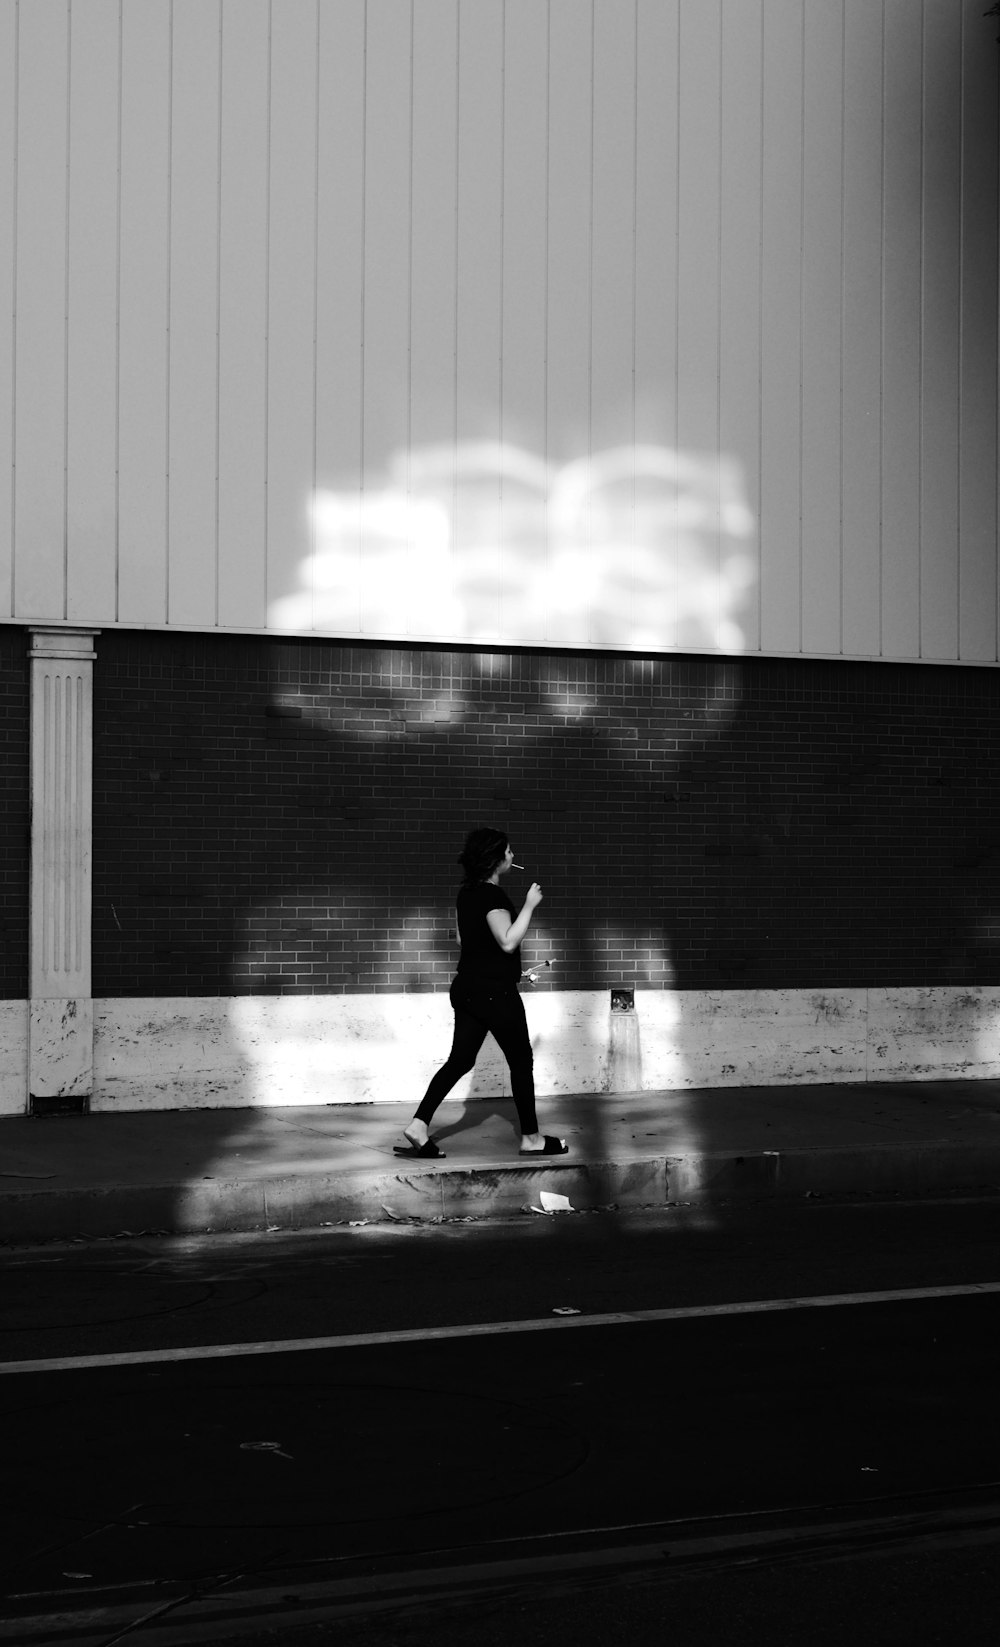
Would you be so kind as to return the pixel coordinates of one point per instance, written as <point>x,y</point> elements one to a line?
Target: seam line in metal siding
<point>590,295</point>
<point>500,306</point>
<point>15,116</point>
<point>218,325</point>
<point>118,312</point>
<point>718,336</point>
<point>314,456</point>
<point>635,284</point>
<point>547,261</point>
<point>170,260</point>
<point>676,433</point>
<point>456,208</point>
<point>800,558</point>
<point>66,262</point>
<point>996,396</point>
<point>409,296</point>
<point>920,336</point>
<point>881,356</point>
<point>843,306</point>
<point>267,312</point>
<point>362,449</point>
<point>759,638</point>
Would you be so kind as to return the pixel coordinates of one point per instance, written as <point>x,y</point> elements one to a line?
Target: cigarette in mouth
<point>516,866</point>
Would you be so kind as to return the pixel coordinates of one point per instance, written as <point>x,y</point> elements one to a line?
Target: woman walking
<point>484,993</point>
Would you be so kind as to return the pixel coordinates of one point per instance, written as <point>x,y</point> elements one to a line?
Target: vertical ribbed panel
<point>61,821</point>
<point>65,812</point>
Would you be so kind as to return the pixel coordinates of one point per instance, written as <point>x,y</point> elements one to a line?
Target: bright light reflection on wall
<point>637,546</point>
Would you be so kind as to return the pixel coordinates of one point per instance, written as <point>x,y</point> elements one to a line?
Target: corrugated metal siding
<point>660,323</point>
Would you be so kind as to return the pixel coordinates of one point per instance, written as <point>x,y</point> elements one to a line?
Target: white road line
<point>489,1329</point>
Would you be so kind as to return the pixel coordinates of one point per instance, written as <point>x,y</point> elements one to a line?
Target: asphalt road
<point>552,1477</point>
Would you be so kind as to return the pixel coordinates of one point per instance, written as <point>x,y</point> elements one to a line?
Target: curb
<point>432,1194</point>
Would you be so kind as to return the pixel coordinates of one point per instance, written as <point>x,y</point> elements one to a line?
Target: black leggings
<point>481,1010</point>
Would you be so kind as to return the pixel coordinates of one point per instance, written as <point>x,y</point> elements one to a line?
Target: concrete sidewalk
<point>214,1170</point>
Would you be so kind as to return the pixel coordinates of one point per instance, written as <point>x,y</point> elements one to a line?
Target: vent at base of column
<point>59,1103</point>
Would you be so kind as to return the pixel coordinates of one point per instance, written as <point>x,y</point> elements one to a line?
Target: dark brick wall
<point>285,816</point>
<point>15,815</point>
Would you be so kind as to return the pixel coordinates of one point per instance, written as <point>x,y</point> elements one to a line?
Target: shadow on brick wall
<point>281,820</point>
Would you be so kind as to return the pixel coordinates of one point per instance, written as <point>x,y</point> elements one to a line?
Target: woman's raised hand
<point>533,896</point>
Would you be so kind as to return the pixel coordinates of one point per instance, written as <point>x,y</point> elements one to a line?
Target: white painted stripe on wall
<point>273,1051</point>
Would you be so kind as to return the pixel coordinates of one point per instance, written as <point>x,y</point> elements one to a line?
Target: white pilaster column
<point>61,1039</point>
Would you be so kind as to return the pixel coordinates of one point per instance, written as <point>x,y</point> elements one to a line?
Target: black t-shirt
<point>482,958</point>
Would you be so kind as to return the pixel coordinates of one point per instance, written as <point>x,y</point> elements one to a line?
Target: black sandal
<point>552,1146</point>
<point>425,1152</point>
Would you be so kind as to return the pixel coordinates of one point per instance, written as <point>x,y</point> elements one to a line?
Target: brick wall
<point>275,817</point>
<point>15,815</point>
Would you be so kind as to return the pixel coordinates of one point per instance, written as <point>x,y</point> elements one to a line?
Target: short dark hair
<point>484,849</point>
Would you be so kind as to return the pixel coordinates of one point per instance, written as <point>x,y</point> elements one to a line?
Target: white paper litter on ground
<point>555,1203</point>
